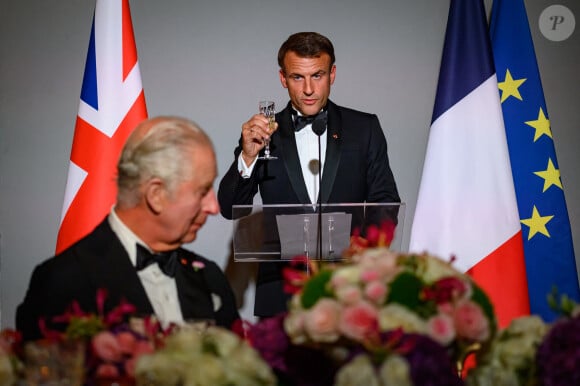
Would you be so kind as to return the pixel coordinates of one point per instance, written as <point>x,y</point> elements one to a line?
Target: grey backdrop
<point>212,62</point>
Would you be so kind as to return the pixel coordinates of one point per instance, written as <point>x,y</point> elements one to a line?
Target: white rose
<point>436,268</point>
<point>160,370</point>
<point>184,340</point>
<point>349,274</point>
<point>395,371</point>
<point>528,325</point>
<point>6,373</point>
<point>246,367</point>
<point>357,372</point>
<point>223,340</point>
<point>294,327</point>
<point>207,370</point>
<point>395,316</point>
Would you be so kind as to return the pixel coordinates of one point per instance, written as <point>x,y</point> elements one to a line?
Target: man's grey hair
<point>164,152</point>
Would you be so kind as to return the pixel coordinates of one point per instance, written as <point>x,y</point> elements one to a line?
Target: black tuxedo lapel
<point>290,157</point>
<point>333,151</point>
<point>192,289</point>
<point>111,268</point>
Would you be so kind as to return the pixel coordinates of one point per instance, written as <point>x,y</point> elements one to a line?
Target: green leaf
<point>84,327</point>
<point>316,288</point>
<point>406,290</point>
<point>561,304</point>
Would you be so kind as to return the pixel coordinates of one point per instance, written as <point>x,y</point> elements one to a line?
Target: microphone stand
<point>318,126</point>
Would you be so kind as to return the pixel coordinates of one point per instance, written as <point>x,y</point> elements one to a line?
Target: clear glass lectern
<point>280,232</point>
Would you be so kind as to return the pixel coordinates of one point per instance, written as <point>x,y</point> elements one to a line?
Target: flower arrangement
<point>116,351</point>
<point>379,310</point>
<point>125,350</point>
<point>510,359</point>
<point>10,363</point>
<point>378,318</point>
<point>396,358</point>
<point>381,290</point>
<point>114,340</point>
<point>214,357</point>
<point>531,352</point>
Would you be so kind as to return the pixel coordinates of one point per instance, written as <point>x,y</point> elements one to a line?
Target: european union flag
<point>549,252</point>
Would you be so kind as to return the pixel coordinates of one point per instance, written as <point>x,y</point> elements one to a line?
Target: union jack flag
<point>112,103</point>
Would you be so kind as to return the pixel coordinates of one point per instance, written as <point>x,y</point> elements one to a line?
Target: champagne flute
<point>268,109</point>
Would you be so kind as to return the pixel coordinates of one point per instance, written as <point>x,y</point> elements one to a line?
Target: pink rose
<point>445,308</point>
<point>127,342</point>
<point>107,347</point>
<point>376,292</point>
<point>383,264</point>
<point>441,329</point>
<point>369,275</point>
<point>130,367</point>
<point>107,370</point>
<point>348,294</point>
<point>338,281</point>
<point>321,321</point>
<point>470,322</point>
<point>143,347</point>
<point>358,321</point>
<point>294,327</point>
<point>387,267</point>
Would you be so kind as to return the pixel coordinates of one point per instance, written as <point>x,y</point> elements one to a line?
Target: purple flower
<point>297,365</point>
<point>559,354</point>
<point>270,340</point>
<point>430,363</point>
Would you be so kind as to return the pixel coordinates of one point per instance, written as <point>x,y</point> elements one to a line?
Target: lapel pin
<point>335,136</point>
<point>197,265</point>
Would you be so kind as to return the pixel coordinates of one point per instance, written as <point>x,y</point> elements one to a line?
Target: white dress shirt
<point>307,145</point>
<point>160,288</point>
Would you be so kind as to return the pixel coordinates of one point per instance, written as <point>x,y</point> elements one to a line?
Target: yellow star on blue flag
<point>542,126</point>
<point>551,176</point>
<point>537,224</point>
<point>510,87</point>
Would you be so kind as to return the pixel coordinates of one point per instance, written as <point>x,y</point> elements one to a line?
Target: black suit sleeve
<point>52,287</point>
<point>234,189</point>
<point>381,186</point>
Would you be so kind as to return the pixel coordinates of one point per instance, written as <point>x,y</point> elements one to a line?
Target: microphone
<point>318,127</point>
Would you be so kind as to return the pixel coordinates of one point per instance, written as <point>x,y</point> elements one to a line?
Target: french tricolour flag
<point>467,204</point>
<point>112,104</point>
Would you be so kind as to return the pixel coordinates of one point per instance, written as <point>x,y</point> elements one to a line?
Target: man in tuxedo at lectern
<point>355,164</point>
<point>165,194</point>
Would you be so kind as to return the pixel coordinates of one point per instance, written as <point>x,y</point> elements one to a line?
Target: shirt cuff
<point>245,171</point>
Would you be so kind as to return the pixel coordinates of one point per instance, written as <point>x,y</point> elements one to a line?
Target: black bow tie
<point>301,121</point>
<point>167,261</point>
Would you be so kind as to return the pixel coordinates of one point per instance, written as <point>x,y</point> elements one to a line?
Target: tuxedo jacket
<point>356,169</point>
<point>99,260</point>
